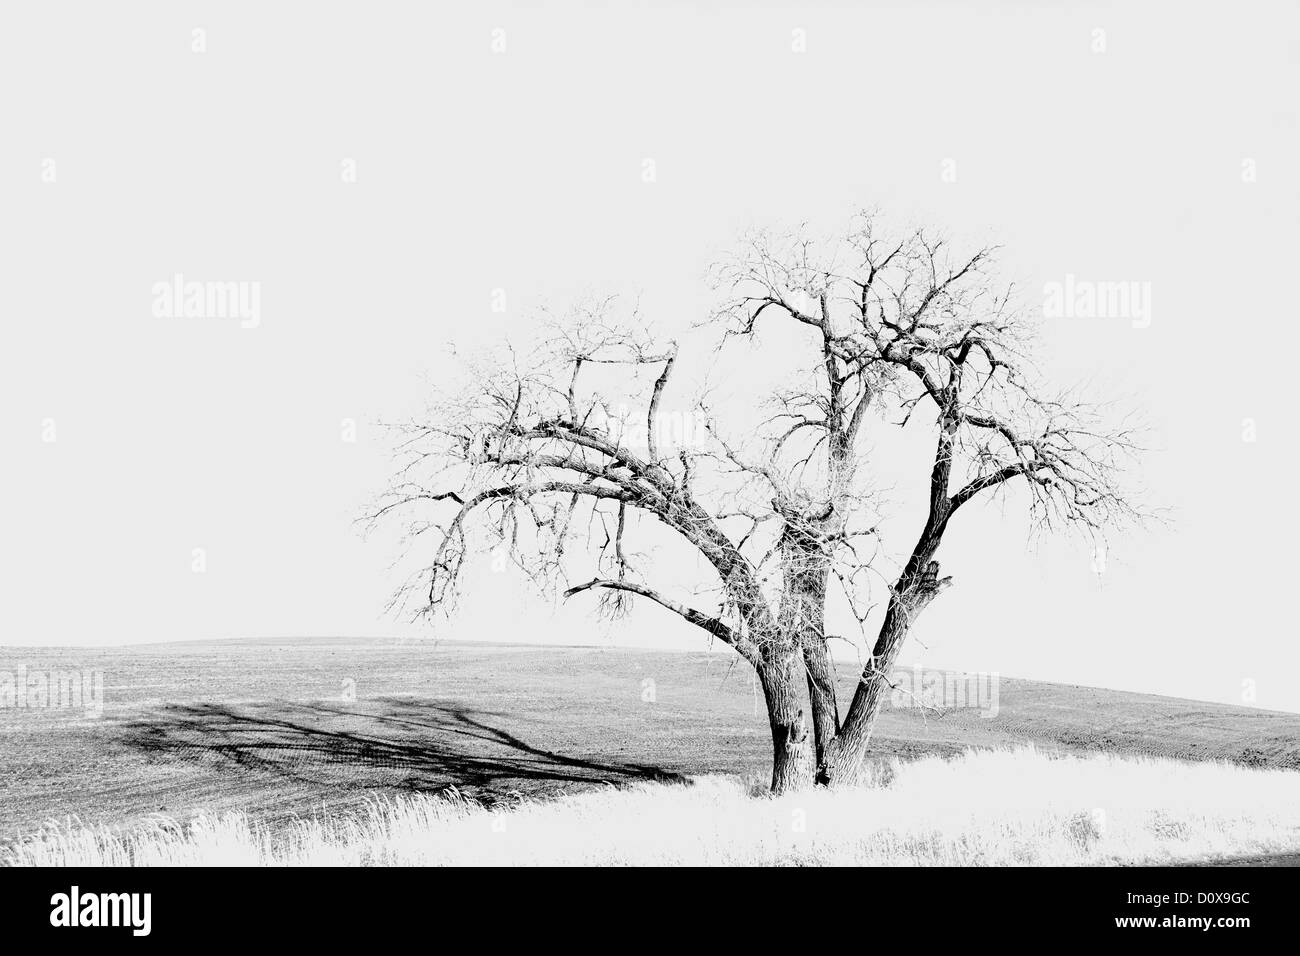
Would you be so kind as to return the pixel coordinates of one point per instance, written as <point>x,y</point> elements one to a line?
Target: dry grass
<point>984,808</point>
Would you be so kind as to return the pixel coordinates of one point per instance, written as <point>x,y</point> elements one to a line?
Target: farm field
<point>281,729</point>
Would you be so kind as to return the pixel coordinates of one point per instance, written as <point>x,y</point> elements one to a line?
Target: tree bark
<point>792,744</point>
<point>803,617</point>
<point>821,695</point>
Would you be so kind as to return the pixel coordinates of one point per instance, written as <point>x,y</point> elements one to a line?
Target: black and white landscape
<point>617,434</point>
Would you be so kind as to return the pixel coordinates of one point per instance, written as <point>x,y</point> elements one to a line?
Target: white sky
<point>523,171</point>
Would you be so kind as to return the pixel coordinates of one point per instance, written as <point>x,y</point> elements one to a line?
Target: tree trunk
<point>915,589</point>
<point>849,749</point>
<point>803,618</point>
<point>821,694</point>
<point>792,745</point>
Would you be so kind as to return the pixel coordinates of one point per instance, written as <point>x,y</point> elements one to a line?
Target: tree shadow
<point>378,744</point>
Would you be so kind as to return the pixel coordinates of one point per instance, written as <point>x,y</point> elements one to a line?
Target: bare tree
<point>536,455</point>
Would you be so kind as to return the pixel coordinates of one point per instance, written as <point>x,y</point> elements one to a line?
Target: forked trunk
<point>917,587</point>
<point>812,746</point>
<point>848,751</point>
